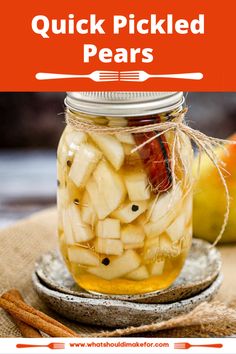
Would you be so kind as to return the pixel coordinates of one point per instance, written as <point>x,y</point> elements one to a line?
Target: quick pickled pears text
<point>92,25</point>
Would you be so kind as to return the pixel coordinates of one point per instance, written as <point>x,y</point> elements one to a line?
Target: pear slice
<point>165,203</point>
<point>151,248</point>
<point>156,268</point>
<point>111,148</point>
<point>131,246</point>
<point>137,186</point>
<point>131,234</point>
<point>188,208</point>
<point>118,266</point>
<point>84,163</point>
<point>97,199</point>
<point>166,245</point>
<point>153,230</point>
<point>117,121</point>
<point>108,228</point>
<point>108,246</point>
<point>82,255</point>
<point>88,213</point>
<point>68,232</point>
<point>163,211</point>
<point>125,138</point>
<point>110,184</point>
<point>168,248</point>
<point>138,274</point>
<point>130,211</point>
<point>176,230</point>
<point>63,152</point>
<point>82,232</point>
<point>74,139</point>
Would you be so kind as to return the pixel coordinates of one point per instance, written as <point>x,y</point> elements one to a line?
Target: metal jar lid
<point>123,103</point>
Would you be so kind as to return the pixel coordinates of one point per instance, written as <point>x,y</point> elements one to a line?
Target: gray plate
<point>201,269</point>
<point>117,313</point>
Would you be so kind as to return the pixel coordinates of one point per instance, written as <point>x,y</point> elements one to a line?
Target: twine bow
<point>204,143</point>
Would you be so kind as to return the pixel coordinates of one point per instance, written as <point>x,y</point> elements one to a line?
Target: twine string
<point>203,142</point>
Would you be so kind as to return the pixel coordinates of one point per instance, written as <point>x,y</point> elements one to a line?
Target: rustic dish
<point>118,313</point>
<point>200,271</point>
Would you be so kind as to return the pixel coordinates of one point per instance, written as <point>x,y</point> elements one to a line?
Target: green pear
<point>209,205</point>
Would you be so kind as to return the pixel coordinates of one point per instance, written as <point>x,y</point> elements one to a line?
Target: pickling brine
<point>125,223</point>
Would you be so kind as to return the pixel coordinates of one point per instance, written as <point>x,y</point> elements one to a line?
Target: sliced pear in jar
<point>74,193</point>
<point>125,138</point>
<point>130,211</point>
<point>168,248</point>
<point>118,266</point>
<point>61,176</point>
<point>176,230</point>
<point>166,202</point>
<point>74,139</point>
<point>153,230</point>
<point>108,246</point>
<point>157,267</point>
<point>82,232</point>
<point>63,197</point>
<point>165,244</point>
<point>108,228</point>
<point>82,255</point>
<point>97,199</point>
<point>110,184</point>
<point>63,152</point>
<point>162,211</point>
<point>188,208</point>
<point>117,121</point>
<point>133,246</point>
<point>111,148</point>
<point>84,163</point>
<point>137,186</point>
<point>151,249</point>
<point>68,231</point>
<point>138,274</point>
<point>132,159</point>
<point>132,234</point>
<point>88,213</point>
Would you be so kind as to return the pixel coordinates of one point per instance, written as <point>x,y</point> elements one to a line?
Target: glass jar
<point>125,226</point>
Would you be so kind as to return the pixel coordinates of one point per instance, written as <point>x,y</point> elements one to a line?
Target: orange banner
<point>123,45</point>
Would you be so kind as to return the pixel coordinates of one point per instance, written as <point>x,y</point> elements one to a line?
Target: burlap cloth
<point>22,243</point>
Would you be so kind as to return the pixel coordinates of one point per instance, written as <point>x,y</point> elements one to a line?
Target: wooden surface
<point>28,183</point>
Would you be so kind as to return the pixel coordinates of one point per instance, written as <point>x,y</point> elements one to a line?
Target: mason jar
<point>124,199</point>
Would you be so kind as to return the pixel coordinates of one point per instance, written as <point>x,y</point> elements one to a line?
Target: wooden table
<point>28,183</point>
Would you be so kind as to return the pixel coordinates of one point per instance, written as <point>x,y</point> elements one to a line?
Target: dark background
<point>35,120</point>
<point>31,125</point>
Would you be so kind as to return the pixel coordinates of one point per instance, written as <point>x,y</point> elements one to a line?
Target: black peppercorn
<point>69,163</point>
<point>106,261</point>
<point>76,201</point>
<point>58,183</point>
<point>135,207</point>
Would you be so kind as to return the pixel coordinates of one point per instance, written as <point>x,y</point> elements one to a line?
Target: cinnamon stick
<point>26,330</point>
<point>37,319</point>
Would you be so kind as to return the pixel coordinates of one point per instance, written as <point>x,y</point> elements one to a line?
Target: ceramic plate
<point>118,313</point>
<point>201,269</point>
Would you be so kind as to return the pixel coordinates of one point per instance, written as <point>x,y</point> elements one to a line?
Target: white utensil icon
<point>140,76</point>
<point>98,76</point>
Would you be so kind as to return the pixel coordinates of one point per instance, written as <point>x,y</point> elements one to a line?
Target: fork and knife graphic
<point>105,76</point>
